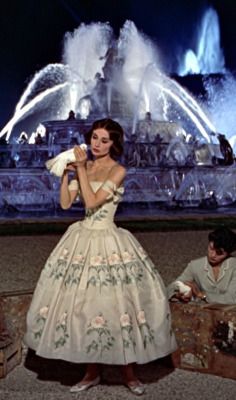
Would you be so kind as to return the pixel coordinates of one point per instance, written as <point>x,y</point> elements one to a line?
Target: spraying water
<point>134,74</point>
<point>207,57</point>
<point>124,79</point>
<point>47,77</point>
<point>138,52</point>
<point>82,62</point>
<point>84,52</point>
<point>221,103</point>
<point>29,107</point>
<point>160,95</point>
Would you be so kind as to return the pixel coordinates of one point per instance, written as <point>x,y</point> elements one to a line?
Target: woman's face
<point>100,142</point>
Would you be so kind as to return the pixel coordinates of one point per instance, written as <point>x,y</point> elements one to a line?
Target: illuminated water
<point>207,56</point>
<point>101,75</point>
<point>133,73</point>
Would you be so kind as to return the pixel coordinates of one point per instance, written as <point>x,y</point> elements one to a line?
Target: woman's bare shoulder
<point>117,171</point>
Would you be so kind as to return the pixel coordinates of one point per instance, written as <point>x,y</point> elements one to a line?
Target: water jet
<point>172,148</point>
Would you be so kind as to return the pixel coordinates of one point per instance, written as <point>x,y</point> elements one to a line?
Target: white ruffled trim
<point>114,192</point>
<point>73,185</point>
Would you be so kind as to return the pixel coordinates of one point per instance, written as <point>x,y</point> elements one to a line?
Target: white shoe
<point>80,387</point>
<point>136,387</point>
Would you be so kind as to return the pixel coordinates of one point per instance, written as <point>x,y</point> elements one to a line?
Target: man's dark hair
<point>223,238</point>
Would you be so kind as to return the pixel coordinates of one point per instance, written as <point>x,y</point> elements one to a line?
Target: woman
<point>99,299</point>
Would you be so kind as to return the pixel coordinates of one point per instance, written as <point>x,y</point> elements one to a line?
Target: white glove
<point>182,288</point>
<point>57,164</point>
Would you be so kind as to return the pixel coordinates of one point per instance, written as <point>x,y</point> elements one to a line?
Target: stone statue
<point>226,150</point>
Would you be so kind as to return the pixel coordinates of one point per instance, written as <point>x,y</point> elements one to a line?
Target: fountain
<point>175,156</point>
<point>207,56</point>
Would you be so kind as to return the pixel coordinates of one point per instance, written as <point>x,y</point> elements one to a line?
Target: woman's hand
<point>70,167</point>
<point>80,156</point>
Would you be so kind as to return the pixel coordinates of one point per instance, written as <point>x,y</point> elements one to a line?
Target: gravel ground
<point>51,381</point>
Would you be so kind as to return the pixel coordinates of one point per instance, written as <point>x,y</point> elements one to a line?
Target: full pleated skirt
<point>100,299</point>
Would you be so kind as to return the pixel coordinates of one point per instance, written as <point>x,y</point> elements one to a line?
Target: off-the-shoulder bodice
<point>102,216</point>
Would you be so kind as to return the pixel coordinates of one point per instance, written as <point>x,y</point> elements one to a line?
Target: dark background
<point>32,31</point>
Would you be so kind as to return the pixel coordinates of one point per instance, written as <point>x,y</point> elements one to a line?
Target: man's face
<point>215,256</point>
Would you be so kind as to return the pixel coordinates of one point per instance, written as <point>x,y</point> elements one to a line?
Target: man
<point>211,278</point>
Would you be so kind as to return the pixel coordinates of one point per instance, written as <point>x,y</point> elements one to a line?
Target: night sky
<point>32,32</point>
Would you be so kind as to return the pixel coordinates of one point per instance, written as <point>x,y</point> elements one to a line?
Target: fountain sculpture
<point>174,154</point>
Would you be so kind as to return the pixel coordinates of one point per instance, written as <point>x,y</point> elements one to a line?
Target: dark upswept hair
<point>116,134</point>
<point>223,238</point>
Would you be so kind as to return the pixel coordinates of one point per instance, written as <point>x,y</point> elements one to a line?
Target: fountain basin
<point>32,191</point>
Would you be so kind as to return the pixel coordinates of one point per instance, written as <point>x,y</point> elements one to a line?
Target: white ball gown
<point>99,298</point>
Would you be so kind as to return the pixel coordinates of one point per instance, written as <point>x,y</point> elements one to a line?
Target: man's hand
<point>194,287</point>
<point>183,297</point>
<point>196,292</point>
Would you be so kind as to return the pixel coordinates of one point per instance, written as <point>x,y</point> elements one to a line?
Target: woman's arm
<point>66,196</point>
<point>91,199</point>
